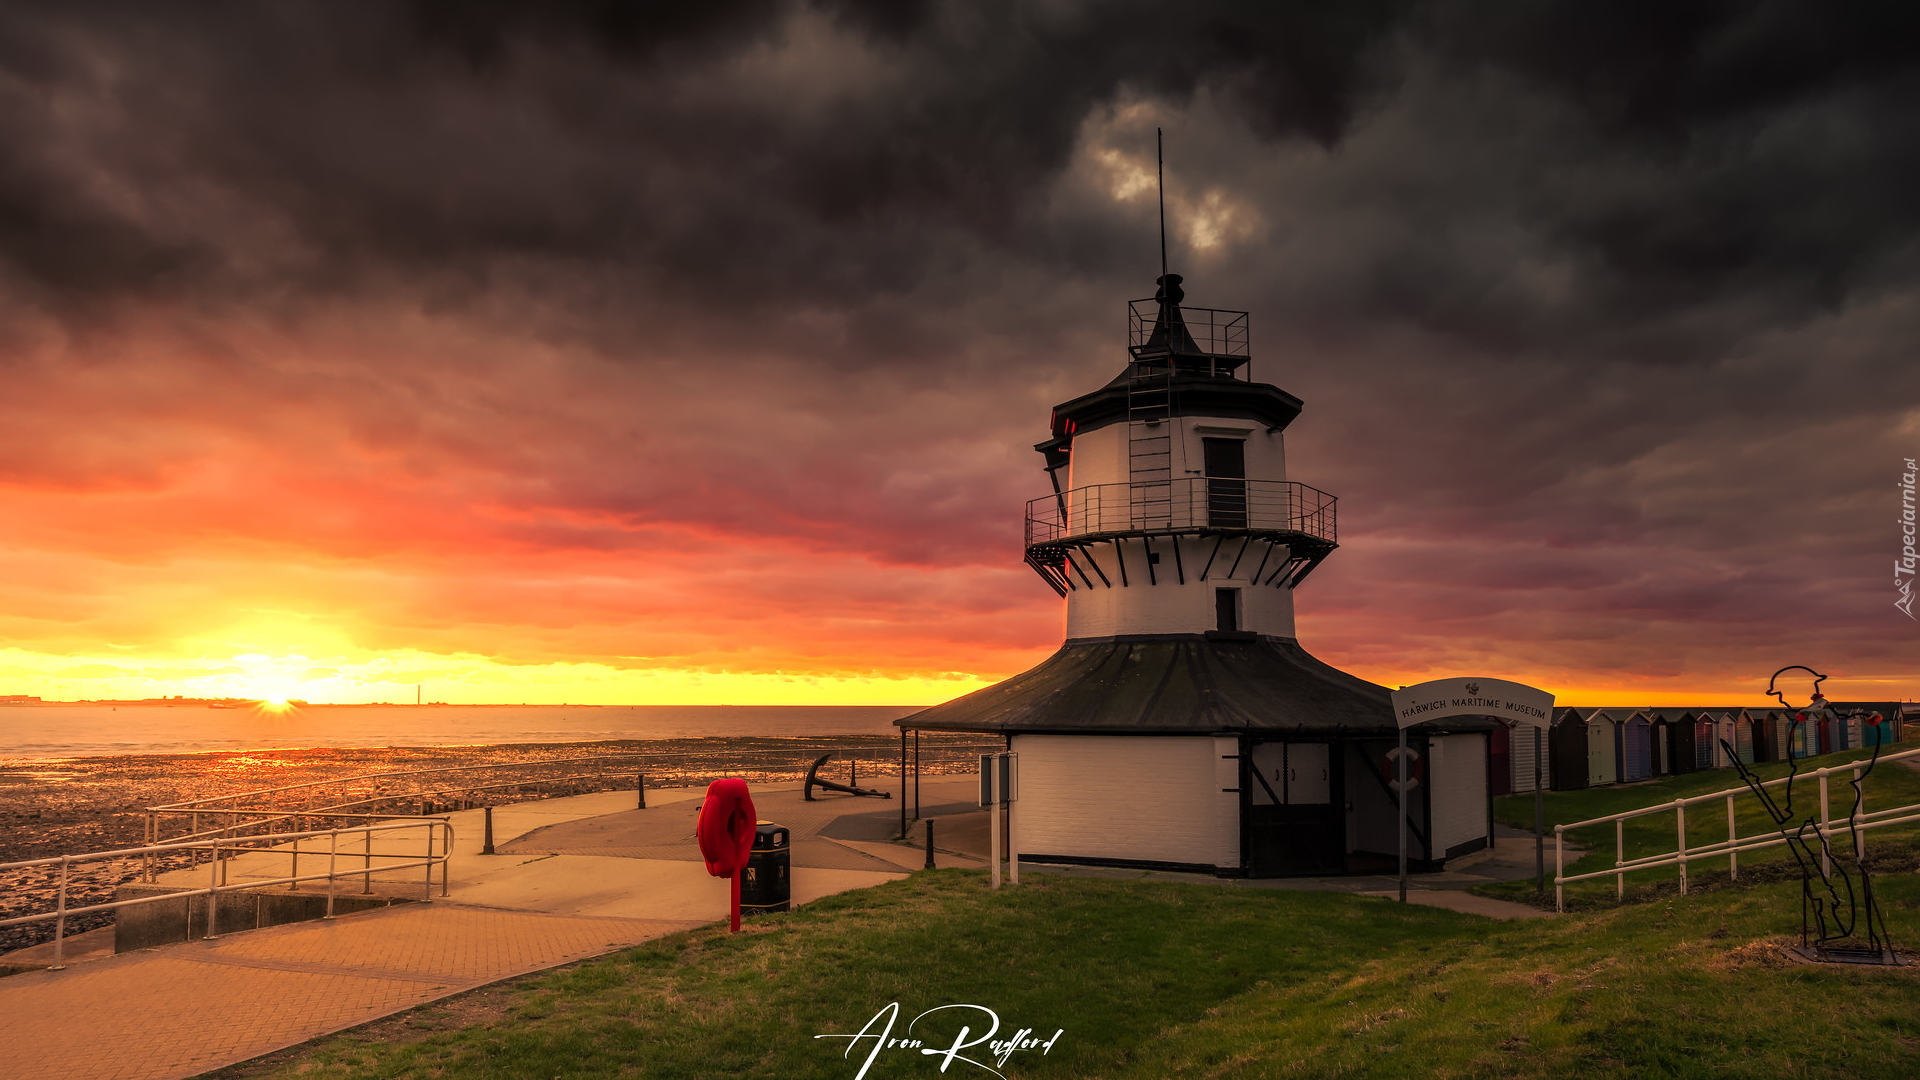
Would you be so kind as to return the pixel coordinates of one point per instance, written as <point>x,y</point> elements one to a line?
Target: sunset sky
<point>559,352</point>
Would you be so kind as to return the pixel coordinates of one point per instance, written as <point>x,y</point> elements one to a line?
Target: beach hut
<point>1567,749</point>
<point>1181,725</point>
<point>1846,731</point>
<point>1746,727</point>
<point>1862,731</point>
<point>1603,748</point>
<point>1634,741</point>
<point>1658,732</point>
<point>1706,739</point>
<point>1675,741</point>
<point>1803,735</point>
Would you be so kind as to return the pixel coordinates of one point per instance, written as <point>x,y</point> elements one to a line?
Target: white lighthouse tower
<point>1175,514</point>
<point>1180,725</point>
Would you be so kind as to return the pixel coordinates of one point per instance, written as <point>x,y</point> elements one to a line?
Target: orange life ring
<point>726,826</point>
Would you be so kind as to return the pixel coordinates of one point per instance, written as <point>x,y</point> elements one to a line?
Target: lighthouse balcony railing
<point>1215,332</point>
<point>1184,505</point>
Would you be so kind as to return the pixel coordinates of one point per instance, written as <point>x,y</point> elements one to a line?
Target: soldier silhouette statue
<point>1832,906</point>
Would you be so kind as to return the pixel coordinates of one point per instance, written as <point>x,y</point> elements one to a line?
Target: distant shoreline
<point>162,703</point>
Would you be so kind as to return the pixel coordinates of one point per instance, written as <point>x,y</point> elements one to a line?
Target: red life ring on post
<point>1390,768</point>
<point>725,831</point>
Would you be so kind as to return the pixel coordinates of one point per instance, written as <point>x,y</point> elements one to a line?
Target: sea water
<point>60,731</point>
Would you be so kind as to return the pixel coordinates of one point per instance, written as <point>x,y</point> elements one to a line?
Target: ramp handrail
<point>438,848</point>
<point>1858,822</point>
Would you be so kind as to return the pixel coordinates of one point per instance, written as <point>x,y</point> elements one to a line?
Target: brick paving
<point>181,1010</point>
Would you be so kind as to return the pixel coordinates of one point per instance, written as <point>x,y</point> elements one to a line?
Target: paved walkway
<point>179,1010</point>
<point>573,878</point>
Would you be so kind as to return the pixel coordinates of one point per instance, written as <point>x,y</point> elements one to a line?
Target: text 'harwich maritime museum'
<point>1181,725</point>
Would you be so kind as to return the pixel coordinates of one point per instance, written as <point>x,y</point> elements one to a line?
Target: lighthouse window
<point>1226,609</point>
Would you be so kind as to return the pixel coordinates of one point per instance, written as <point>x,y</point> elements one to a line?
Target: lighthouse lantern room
<point>1180,725</point>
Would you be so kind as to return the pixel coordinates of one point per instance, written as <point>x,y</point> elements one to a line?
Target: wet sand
<point>82,804</point>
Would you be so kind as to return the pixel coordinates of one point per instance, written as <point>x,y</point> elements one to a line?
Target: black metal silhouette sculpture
<point>1832,913</point>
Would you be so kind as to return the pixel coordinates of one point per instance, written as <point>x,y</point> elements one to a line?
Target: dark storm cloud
<point>468,140</point>
<point>618,157</point>
<point>1627,281</point>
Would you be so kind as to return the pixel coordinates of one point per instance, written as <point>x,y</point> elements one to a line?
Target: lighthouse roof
<point>1178,684</point>
<point>1193,395</point>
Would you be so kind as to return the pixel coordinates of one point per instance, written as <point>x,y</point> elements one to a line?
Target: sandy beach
<point>74,805</point>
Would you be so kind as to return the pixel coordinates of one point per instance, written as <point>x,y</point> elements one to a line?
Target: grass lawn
<point>1894,849</point>
<point>1152,980</point>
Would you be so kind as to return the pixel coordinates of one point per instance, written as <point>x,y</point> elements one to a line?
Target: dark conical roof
<point>1178,684</point>
<point>1170,333</point>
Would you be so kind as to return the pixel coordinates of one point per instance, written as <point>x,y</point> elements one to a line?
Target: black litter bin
<point>766,885</point>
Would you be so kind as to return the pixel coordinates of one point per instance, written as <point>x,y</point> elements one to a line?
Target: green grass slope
<point>1152,980</point>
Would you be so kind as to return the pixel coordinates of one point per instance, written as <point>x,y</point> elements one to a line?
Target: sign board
<point>1471,696</point>
<point>999,779</point>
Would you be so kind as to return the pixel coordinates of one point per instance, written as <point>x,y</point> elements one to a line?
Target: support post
<point>903,783</point>
<point>1539,821</point>
<point>60,918</point>
<point>993,790</point>
<point>1619,856</point>
<point>640,786</point>
<point>1013,853</point>
<point>1680,825</point>
<point>1401,769</point>
<point>333,858</point>
<point>1559,868</point>
<point>213,893</point>
<point>486,841</point>
<point>1733,843</point>
<point>929,865</point>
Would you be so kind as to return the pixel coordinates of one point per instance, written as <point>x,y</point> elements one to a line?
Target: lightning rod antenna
<point>1160,154</point>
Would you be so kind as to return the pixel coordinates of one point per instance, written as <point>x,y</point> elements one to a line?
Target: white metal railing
<point>1858,821</point>
<point>1192,502</point>
<point>438,846</point>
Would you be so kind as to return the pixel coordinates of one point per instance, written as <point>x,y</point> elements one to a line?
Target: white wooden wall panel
<point>1520,754</point>
<point>1128,797</point>
<point>1458,773</point>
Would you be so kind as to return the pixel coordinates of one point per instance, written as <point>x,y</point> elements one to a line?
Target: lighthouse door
<point>1294,821</point>
<point>1225,461</point>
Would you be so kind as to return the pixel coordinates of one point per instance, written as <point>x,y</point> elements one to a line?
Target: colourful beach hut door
<point>1636,751</point>
<point>1602,768</point>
